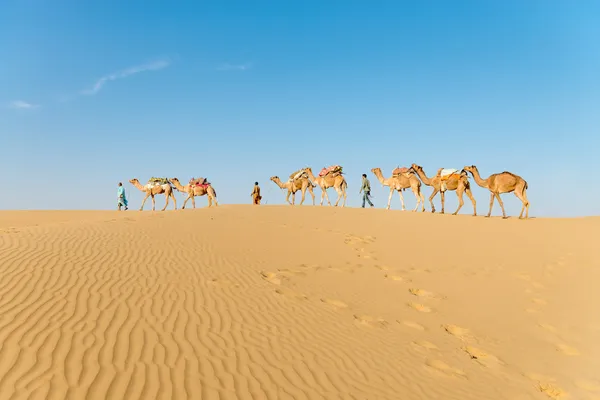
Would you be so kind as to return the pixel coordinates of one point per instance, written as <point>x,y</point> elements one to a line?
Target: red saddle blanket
<point>400,170</point>
<point>199,182</point>
<point>332,169</point>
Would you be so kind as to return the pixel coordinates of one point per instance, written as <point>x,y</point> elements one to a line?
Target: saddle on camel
<point>202,182</point>
<point>401,171</point>
<point>333,171</point>
<point>152,182</point>
<point>445,174</point>
<point>301,173</point>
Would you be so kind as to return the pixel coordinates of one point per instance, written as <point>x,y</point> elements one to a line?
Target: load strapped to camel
<point>333,170</point>
<point>199,182</point>
<point>158,181</point>
<point>445,174</point>
<point>301,173</point>
<point>400,171</point>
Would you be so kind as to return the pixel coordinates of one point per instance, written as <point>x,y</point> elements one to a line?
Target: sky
<point>97,92</point>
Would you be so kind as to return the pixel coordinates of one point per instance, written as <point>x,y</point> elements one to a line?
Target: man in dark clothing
<point>366,189</point>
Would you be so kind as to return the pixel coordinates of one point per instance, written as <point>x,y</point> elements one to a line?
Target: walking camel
<point>196,190</point>
<point>458,182</point>
<point>300,184</point>
<point>337,182</point>
<point>152,190</point>
<point>503,182</point>
<point>399,183</point>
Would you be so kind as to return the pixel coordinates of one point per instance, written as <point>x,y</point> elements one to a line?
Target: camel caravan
<point>195,187</point>
<point>402,178</point>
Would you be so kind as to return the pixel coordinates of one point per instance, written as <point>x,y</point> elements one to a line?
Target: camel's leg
<point>422,201</point>
<point>491,203</point>
<point>303,196</point>
<point>339,193</point>
<point>166,201</point>
<point>435,191</point>
<point>470,196</point>
<point>144,201</point>
<point>153,202</point>
<point>312,193</point>
<point>287,198</point>
<point>323,195</point>
<point>525,207</point>
<point>443,195</point>
<point>459,194</point>
<point>345,195</point>
<point>185,202</point>
<point>390,198</point>
<point>501,204</point>
<point>401,199</point>
<point>174,200</point>
<point>326,195</point>
<point>193,198</point>
<point>416,193</point>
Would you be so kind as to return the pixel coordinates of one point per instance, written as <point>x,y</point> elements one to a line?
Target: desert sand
<point>280,302</point>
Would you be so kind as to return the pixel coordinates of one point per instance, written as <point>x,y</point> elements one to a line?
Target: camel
<point>458,182</point>
<point>503,182</point>
<point>153,190</point>
<point>337,182</point>
<point>194,191</point>
<point>399,183</point>
<point>300,184</point>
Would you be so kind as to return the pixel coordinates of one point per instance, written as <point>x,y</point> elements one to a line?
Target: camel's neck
<point>311,176</point>
<point>279,183</point>
<point>380,178</point>
<point>481,182</point>
<point>139,186</point>
<point>178,186</point>
<point>423,177</point>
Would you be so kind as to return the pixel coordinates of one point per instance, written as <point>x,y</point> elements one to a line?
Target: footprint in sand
<point>292,272</point>
<point>396,278</point>
<point>546,385</point>
<point>270,277</point>
<point>420,307</point>
<point>372,322</point>
<point>290,293</point>
<point>413,325</point>
<point>550,390</point>
<point>457,331</point>
<point>441,366</point>
<point>335,303</point>
<point>424,344</point>
<point>424,293</point>
<point>567,350</point>
<point>482,357</point>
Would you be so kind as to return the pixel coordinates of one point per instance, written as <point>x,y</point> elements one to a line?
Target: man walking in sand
<point>256,197</point>
<point>121,199</point>
<point>366,189</point>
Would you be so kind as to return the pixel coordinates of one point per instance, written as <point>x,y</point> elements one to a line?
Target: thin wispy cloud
<point>235,67</point>
<point>22,105</point>
<point>153,66</point>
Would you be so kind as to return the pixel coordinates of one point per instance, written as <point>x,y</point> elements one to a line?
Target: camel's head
<point>416,167</point>
<point>470,168</point>
<point>174,180</point>
<point>133,181</point>
<point>375,170</point>
<point>274,178</point>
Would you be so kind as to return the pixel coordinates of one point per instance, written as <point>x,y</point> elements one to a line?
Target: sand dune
<point>243,302</point>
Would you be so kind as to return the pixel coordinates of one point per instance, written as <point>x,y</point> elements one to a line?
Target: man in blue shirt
<point>121,200</point>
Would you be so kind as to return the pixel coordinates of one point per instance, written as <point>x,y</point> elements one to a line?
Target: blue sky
<point>97,92</point>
